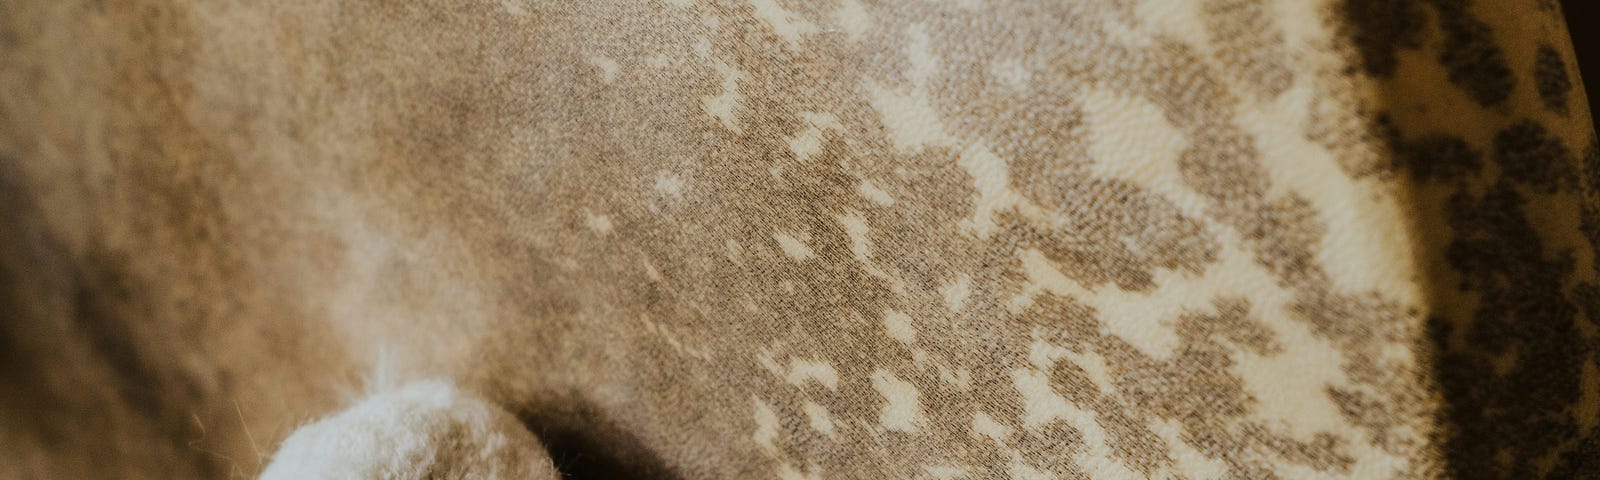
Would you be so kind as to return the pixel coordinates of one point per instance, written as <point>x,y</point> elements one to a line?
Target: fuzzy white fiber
<point>427,429</point>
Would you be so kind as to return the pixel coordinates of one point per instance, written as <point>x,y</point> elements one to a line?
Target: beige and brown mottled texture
<point>837,239</point>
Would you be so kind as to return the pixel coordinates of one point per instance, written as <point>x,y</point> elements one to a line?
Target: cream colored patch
<point>819,418</point>
<point>874,194</point>
<point>803,371</point>
<point>788,472</point>
<point>766,434</point>
<point>1125,34</point>
<point>855,227</point>
<point>793,247</point>
<point>822,120</point>
<point>673,340</point>
<point>1131,140</point>
<point>992,178</point>
<point>650,270</point>
<point>1042,405</point>
<point>986,426</point>
<point>907,113</point>
<point>1023,471</point>
<point>1011,73</point>
<point>1185,458</point>
<point>1292,387</point>
<point>853,19</point>
<point>1043,355</point>
<point>764,358</point>
<point>806,143</point>
<point>1175,19</point>
<point>669,184</point>
<point>735,251</point>
<point>1095,367</point>
<point>902,411</point>
<point>723,105</point>
<point>702,45</point>
<point>658,61</point>
<point>608,68</point>
<point>1366,245</point>
<point>943,472</point>
<point>911,121</point>
<point>1138,317</point>
<point>957,292</point>
<point>963,4</point>
<point>924,62</point>
<point>514,7</point>
<point>599,223</point>
<point>809,141</point>
<point>899,327</point>
<point>960,378</point>
<point>790,27</point>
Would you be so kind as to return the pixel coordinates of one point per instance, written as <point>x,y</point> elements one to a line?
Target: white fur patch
<point>425,429</point>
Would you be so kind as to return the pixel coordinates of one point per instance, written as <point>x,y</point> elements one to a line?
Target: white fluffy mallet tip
<point>426,429</point>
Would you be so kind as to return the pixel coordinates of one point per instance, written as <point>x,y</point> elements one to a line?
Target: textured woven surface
<point>837,239</point>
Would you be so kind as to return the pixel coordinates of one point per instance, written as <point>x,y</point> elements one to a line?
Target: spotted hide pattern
<point>1174,239</point>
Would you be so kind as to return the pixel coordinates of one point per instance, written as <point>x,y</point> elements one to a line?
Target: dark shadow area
<point>585,445</point>
<point>1581,17</point>
<point>1508,350</point>
<point>67,324</point>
